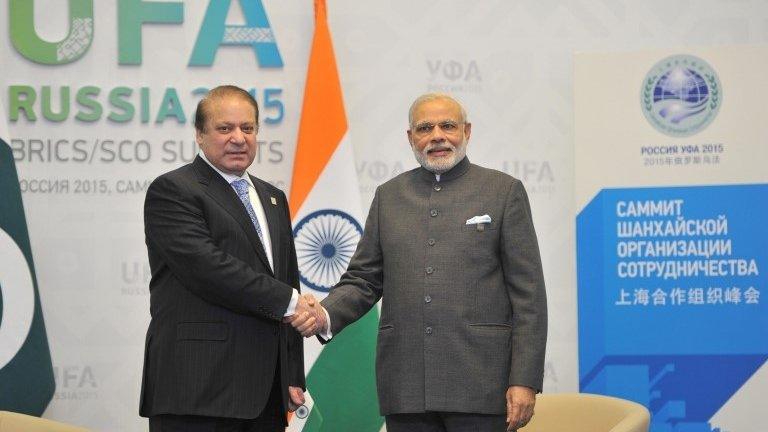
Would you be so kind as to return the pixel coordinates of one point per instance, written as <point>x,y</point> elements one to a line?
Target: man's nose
<point>437,134</point>
<point>237,136</point>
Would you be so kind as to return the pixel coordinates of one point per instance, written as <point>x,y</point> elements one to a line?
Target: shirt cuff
<point>327,335</point>
<point>292,305</point>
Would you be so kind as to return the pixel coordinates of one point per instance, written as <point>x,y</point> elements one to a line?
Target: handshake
<point>309,318</point>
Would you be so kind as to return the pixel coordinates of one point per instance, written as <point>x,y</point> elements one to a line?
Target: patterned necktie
<point>241,186</point>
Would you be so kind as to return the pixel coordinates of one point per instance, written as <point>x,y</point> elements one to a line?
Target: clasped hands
<point>309,318</point>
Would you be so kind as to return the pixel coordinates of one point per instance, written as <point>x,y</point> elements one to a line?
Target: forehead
<point>230,108</point>
<point>437,110</point>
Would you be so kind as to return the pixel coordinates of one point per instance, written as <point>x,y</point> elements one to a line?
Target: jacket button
<point>430,270</point>
<point>431,242</point>
<point>427,298</point>
<point>438,188</point>
<point>428,330</point>
<point>433,212</point>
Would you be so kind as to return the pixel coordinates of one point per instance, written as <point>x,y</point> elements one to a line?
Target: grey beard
<point>444,164</point>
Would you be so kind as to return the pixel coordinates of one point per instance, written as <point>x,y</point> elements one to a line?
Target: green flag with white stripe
<point>26,372</point>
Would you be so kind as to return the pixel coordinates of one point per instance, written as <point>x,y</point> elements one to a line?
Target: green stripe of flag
<point>343,381</point>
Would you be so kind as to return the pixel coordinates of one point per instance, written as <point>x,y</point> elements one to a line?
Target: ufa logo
<point>132,15</point>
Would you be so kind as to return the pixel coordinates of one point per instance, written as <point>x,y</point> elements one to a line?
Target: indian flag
<point>328,222</point>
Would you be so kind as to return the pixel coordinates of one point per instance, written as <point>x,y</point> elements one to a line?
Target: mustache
<point>438,147</point>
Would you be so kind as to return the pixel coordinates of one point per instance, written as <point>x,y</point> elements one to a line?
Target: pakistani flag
<point>26,373</point>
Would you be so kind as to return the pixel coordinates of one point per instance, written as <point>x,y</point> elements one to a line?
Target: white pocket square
<point>479,219</point>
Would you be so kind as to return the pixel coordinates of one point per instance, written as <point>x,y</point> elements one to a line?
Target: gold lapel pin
<point>273,200</point>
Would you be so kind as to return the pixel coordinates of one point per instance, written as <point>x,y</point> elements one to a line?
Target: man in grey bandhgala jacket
<point>451,250</point>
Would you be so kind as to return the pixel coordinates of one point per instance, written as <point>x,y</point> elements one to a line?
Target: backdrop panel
<point>671,189</point>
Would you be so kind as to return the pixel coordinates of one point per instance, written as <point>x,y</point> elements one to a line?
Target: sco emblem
<point>681,95</point>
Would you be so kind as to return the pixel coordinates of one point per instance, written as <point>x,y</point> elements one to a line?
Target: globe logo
<point>681,95</point>
<point>325,241</point>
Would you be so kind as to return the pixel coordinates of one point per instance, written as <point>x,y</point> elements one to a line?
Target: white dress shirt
<point>261,217</point>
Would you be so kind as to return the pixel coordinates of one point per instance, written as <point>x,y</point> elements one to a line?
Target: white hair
<point>428,97</point>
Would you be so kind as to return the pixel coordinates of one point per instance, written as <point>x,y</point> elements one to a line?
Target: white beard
<point>439,165</point>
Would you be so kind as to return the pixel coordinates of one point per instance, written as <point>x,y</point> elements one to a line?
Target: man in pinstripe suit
<point>224,274</point>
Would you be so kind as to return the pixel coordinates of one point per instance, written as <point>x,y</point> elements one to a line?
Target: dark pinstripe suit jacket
<point>463,312</point>
<point>215,336</point>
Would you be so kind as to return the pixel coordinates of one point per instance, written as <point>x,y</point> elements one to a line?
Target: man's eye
<point>223,129</point>
<point>424,128</point>
<point>247,129</point>
<point>448,126</point>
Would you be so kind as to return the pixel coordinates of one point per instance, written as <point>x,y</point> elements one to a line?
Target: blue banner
<point>669,291</point>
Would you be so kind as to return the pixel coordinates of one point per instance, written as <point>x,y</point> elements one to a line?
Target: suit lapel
<point>221,192</point>
<point>272,211</point>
